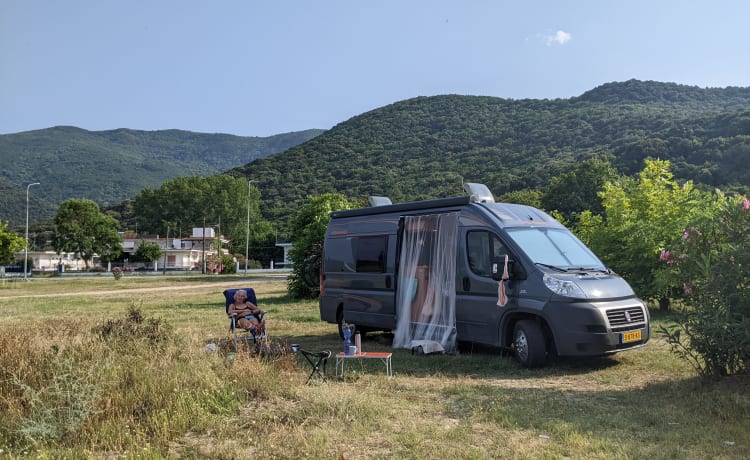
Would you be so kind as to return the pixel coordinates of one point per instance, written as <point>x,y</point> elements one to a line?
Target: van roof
<point>509,214</point>
<point>404,207</point>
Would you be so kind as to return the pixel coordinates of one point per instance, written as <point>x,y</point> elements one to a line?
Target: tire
<point>529,344</point>
<point>340,321</point>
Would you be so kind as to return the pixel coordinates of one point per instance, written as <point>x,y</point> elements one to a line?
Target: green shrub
<point>61,405</point>
<point>711,260</point>
<point>134,328</point>
<point>310,227</point>
<point>227,264</point>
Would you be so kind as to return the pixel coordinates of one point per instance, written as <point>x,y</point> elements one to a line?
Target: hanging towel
<point>502,297</point>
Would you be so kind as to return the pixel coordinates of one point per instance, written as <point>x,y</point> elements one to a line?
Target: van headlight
<point>563,287</point>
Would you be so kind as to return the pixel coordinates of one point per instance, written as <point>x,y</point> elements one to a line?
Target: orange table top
<point>365,354</point>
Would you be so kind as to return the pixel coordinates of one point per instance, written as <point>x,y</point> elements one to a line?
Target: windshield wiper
<point>589,269</point>
<point>553,267</point>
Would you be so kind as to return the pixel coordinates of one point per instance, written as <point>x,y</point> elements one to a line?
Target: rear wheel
<point>340,321</point>
<point>529,345</point>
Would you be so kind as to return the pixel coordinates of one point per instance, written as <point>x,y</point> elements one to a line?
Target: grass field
<point>94,368</point>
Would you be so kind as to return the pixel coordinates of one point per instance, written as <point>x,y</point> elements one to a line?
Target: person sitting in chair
<point>246,313</point>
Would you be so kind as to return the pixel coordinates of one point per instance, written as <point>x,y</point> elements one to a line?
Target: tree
<point>578,190</point>
<point>81,228</point>
<point>262,244</point>
<point>641,216</point>
<point>191,201</point>
<point>10,244</point>
<point>147,252</point>
<point>309,231</point>
<point>527,196</point>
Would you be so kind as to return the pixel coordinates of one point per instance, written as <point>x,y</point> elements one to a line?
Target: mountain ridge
<point>425,146</point>
<point>113,165</point>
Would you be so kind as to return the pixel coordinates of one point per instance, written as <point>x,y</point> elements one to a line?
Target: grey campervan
<point>433,270</point>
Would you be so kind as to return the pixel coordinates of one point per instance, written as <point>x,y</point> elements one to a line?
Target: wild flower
<point>666,256</point>
<point>745,204</point>
<point>688,233</point>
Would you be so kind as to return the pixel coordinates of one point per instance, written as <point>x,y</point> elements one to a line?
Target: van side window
<point>338,255</point>
<point>369,253</point>
<point>481,248</point>
<point>498,248</point>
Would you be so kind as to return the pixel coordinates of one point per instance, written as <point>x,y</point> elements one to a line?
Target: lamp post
<point>26,249</point>
<point>166,248</point>
<point>247,230</point>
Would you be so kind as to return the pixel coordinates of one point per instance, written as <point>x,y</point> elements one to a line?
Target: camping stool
<point>318,363</point>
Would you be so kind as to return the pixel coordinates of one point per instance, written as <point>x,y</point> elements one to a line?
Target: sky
<point>265,67</point>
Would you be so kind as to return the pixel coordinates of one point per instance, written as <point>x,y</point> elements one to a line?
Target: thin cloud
<point>560,38</point>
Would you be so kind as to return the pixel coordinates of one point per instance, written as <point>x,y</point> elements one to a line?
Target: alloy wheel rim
<point>522,349</point>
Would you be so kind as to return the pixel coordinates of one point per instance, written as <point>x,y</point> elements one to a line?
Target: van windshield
<point>555,247</point>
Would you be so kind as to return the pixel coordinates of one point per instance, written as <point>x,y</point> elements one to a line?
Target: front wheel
<point>529,346</point>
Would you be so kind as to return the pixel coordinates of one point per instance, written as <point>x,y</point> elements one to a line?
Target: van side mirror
<point>514,271</point>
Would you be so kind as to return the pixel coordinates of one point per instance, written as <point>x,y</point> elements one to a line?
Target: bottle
<point>347,338</point>
<point>358,341</point>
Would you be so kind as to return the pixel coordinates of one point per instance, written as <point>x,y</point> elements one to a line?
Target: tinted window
<point>481,248</point>
<point>338,255</point>
<point>369,253</point>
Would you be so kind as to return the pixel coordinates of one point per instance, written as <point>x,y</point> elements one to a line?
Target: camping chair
<point>240,334</point>
<point>317,362</point>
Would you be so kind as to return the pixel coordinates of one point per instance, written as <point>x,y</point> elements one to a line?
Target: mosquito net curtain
<point>426,297</point>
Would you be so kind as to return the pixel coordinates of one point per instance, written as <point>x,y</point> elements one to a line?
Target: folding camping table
<point>384,357</point>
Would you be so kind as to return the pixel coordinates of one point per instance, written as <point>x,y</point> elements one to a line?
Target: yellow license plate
<point>631,336</point>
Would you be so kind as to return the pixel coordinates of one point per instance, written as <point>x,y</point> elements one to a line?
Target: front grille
<point>619,317</point>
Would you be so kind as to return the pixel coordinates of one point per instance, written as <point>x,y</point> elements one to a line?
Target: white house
<point>48,261</point>
<point>179,253</point>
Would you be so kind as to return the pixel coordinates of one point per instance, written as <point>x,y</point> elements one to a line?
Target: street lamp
<point>247,238</point>
<point>26,249</point>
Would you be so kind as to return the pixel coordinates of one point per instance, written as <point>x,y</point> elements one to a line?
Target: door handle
<point>388,282</point>
<point>466,283</point>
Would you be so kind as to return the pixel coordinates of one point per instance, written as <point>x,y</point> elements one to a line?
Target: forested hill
<point>424,147</point>
<point>111,166</point>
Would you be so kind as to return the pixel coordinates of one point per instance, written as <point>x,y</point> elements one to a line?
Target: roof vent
<point>379,201</point>
<point>478,192</point>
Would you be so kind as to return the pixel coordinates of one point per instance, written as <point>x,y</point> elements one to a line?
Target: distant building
<point>178,253</point>
<point>49,261</point>
<point>286,262</point>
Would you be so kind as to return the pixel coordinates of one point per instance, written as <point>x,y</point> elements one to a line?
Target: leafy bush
<point>61,405</point>
<point>641,217</point>
<point>310,229</point>
<point>712,261</point>
<point>227,264</point>
<point>134,328</point>
<point>10,243</point>
<point>146,252</point>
